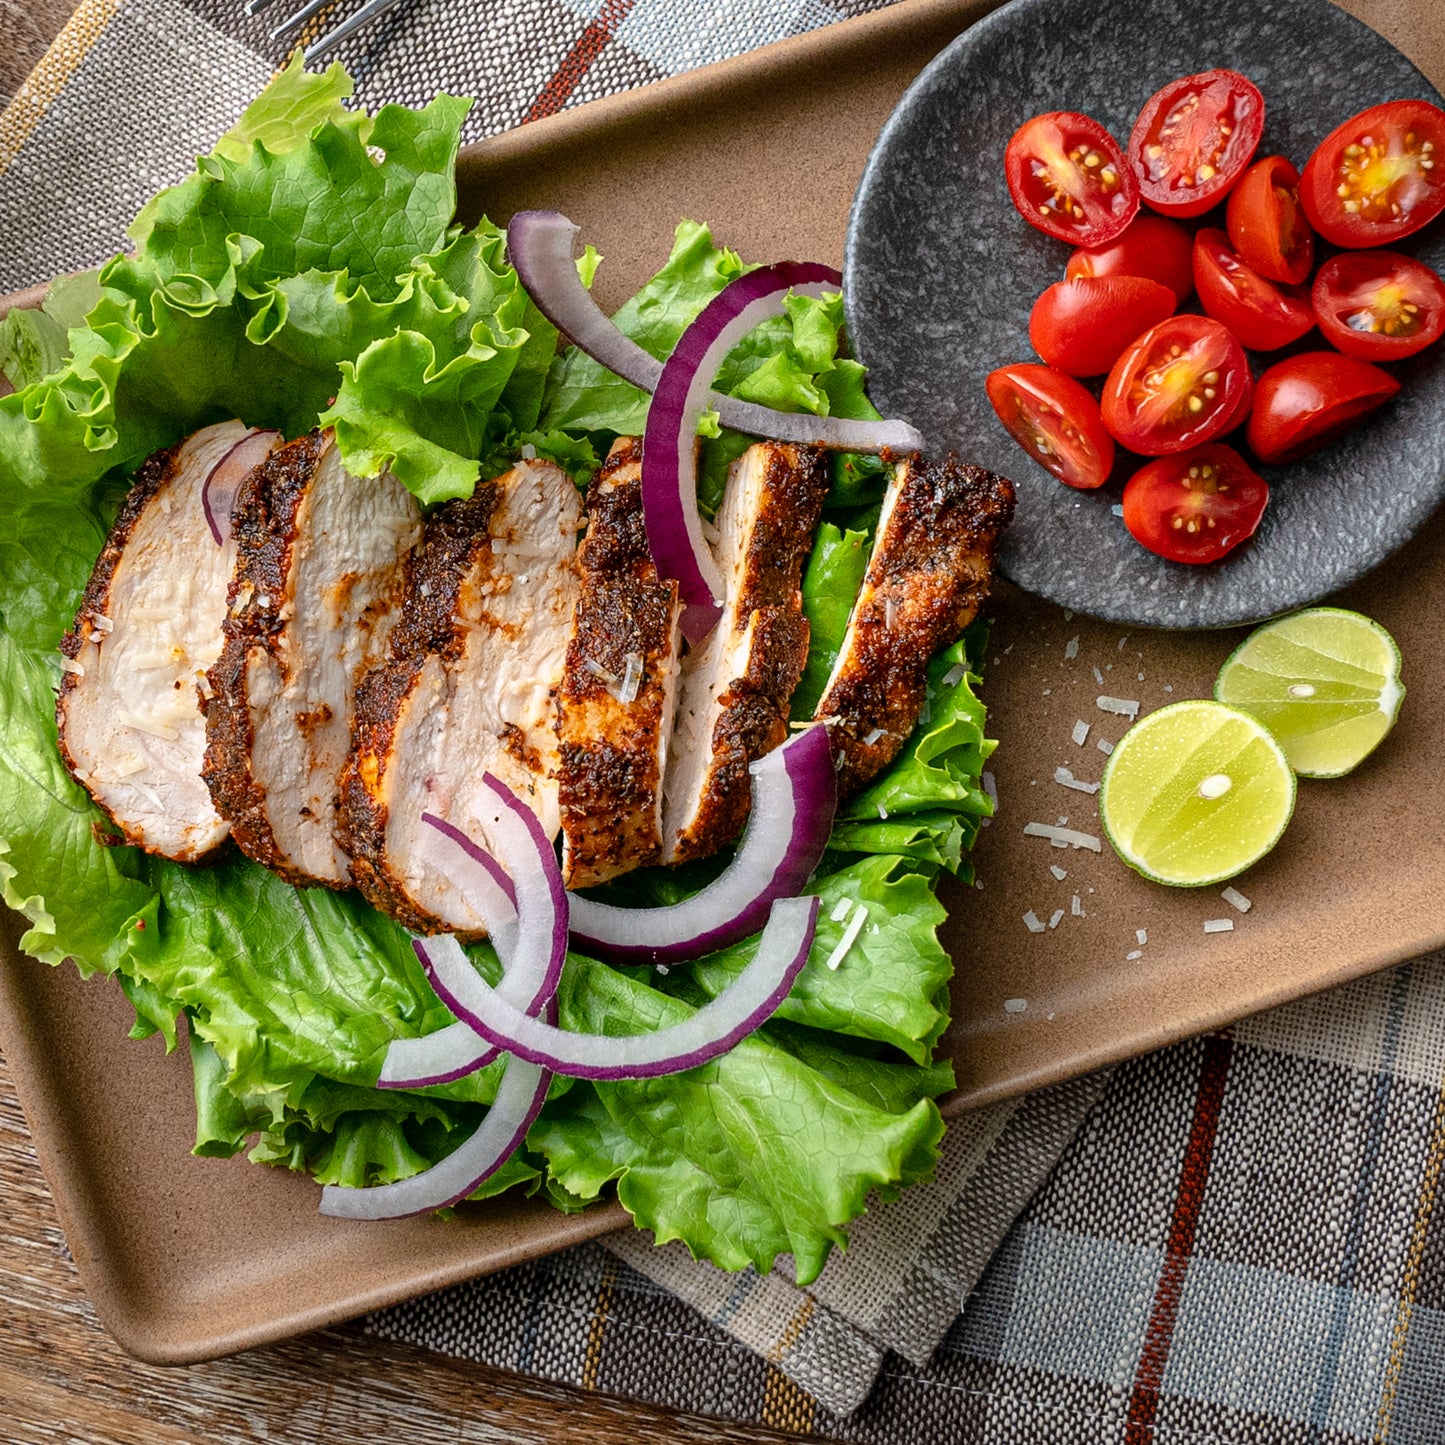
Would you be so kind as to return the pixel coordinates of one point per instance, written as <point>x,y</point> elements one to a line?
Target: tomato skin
<point>1081,326</point>
<point>1305,401</point>
<point>1262,314</point>
<point>1150,246</point>
<point>1393,183</point>
<point>1197,506</point>
<point>1266,224</point>
<point>1055,420</point>
<point>1159,397</point>
<point>1360,299</point>
<point>1063,159</point>
<point>1193,140</point>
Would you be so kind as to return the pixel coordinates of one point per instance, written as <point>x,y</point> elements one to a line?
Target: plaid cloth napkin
<point>1240,1241</point>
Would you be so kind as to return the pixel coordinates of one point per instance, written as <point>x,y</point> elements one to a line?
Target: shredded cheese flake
<point>602,674</point>
<point>70,665</point>
<point>130,769</point>
<point>954,675</point>
<point>1236,899</point>
<point>849,938</point>
<point>1063,837</point>
<point>882,812</point>
<point>841,909</point>
<point>1065,779</point>
<point>140,725</point>
<point>631,679</point>
<point>1120,706</point>
<point>1219,925</point>
<point>873,737</point>
<point>102,623</point>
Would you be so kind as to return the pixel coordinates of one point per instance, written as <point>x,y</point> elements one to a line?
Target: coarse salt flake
<point>1104,746</point>
<point>1063,837</point>
<point>1120,706</point>
<point>1033,922</point>
<point>882,812</point>
<point>1219,925</point>
<point>1236,899</point>
<point>1141,935</point>
<point>1015,1005</point>
<point>1056,918</point>
<point>1065,779</point>
<point>954,675</point>
<point>1081,733</point>
<point>1098,677</point>
<point>1071,649</point>
<point>1059,873</point>
<point>1117,509</point>
<point>1076,907</point>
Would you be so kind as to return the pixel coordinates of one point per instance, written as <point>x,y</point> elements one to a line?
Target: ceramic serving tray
<point>190,1258</point>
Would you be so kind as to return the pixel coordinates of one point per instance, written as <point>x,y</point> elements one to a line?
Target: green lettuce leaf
<point>830,583</point>
<point>284,116</point>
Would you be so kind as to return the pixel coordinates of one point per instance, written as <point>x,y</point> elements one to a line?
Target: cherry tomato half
<point>1183,383</point>
<point>1304,401</point>
<point>1055,421</point>
<point>1067,176</point>
<point>1197,506</point>
<point>1082,326</point>
<point>1193,139</point>
<point>1150,246</point>
<point>1266,225</point>
<point>1378,176</point>
<point>1261,313</point>
<point>1379,305</point>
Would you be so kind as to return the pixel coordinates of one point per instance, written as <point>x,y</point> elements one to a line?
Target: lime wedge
<point>1195,793</point>
<point>1325,682</point>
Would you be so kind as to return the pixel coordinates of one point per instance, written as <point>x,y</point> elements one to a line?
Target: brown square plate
<point>190,1258</point>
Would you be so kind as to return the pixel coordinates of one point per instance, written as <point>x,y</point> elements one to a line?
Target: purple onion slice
<point>749,1001</point>
<point>540,243</point>
<point>535,939</point>
<point>794,793</point>
<point>223,481</point>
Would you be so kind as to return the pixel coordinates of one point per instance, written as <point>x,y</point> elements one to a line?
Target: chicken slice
<point>615,704</point>
<point>149,625</point>
<point>469,687</point>
<point>929,574</point>
<point>735,688</point>
<point>319,569</point>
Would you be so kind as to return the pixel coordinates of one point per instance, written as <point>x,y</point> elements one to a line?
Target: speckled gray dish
<point>941,271</point>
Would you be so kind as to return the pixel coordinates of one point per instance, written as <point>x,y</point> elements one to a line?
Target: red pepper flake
<point>140,923</point>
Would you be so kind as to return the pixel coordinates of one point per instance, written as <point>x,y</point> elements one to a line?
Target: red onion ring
<point>223,481</point>
<point>750,1000</point>
<point>794,794</point>
<point>537,945</point>
<point>539,244</point>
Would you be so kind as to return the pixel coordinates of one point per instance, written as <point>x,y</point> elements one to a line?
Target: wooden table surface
<point>63,1379</point>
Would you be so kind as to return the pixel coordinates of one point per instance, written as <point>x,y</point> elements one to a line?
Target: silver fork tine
<point>291,22</point>
<point>255,7</point>
<point>349,26</point>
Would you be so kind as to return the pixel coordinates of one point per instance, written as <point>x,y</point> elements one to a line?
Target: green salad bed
<point>309,272</point>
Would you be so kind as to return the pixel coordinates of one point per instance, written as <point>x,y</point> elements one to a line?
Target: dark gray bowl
<point>941,271</point>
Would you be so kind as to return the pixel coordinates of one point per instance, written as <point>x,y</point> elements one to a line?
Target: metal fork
<point>370,11</point>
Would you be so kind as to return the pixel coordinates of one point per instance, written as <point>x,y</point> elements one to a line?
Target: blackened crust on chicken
<point>736,687</point>
<point>263,522</point>
<point>613,751</point>
<point>929,575</point>
<point>319,567</point>
<point>455,535</point>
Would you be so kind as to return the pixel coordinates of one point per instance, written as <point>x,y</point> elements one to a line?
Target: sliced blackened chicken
<point>615,703</point>
<point>149,625</point>
<point>319,572</point>
<point>929,574</point>
<point>469,687</point>
<point>735,688</point>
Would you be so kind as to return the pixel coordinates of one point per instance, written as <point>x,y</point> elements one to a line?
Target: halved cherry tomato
<point>1082,326</point>
<point>1304,401</point>
<point>1193,139</point>
<point>1266,225</point>
<point>1150,246</point>
<point>1378,176</point>
<point>1379,305</point>
<point>1055,421</point>
<point>1182,383</point>
<point>1261,313</point>
<point>1067,177</point>
<point>1197,506</point>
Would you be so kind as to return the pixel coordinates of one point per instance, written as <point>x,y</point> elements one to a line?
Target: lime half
<point>1195,793</point>
<point>1325,682</point>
